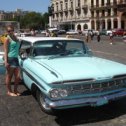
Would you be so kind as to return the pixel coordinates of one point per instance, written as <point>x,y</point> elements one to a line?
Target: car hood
<point>83,68</point>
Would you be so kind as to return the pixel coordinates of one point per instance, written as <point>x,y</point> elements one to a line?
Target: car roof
<point>34,39</point>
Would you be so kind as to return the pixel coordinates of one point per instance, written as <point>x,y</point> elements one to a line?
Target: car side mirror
<point>90,53</point>
<point>23,55</point>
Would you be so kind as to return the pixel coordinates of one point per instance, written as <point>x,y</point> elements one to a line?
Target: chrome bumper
<point>91,101</point>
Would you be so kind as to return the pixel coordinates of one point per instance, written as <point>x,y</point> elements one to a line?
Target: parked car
<point>124,36</point>
<point>1,58</point>
<point>108,32</point>
<point>60,32</point>
<point>124,39</point>
<point>43,32</point>
<point>103,32</point>
<point>85,31</point>
<point>25,34</point>
<point>72,32</point>
<point>95,32</point>
<point>63,73</point>
<point>118,32</point>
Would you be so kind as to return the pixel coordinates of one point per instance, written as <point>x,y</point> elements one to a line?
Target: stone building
<point>71,14</point>
<point>89,14</point>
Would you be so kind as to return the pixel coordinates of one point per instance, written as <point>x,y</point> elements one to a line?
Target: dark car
<point>61,32</point>
<point>103,32</point>
<point>118,32</point>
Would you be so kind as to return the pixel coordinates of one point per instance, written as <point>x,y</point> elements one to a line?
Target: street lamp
<point>50,11</point>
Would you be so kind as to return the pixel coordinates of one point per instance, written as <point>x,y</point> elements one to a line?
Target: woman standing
<point>11,49</point>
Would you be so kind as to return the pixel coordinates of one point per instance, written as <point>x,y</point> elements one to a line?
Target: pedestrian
<point>98,37</point>
<point>33,32</point>
<point>11,49</point>
<point>91,35</point>
<point>111,38</point>
<point>47,33</point>
<point>54,34</point>
<point>87,37</point>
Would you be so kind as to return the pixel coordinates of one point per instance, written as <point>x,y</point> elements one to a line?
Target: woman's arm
<point>6,43</point>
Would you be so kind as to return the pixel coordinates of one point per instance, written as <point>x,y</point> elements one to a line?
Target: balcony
<point>65,10</point>
<point>104,7</point>
<point>55,12</point>
<point>93,7</point>
<point>78,8</point>
<point>70,9</point>
<point>121,6</point>
<point>84,6</point>
<point>60,10</point>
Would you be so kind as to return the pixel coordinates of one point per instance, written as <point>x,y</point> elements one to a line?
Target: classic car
<point>118,32</point>
<point>72,32</point>
<point>63,73</point>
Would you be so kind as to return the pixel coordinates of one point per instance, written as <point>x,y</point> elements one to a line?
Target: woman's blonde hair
<point>9,26</point>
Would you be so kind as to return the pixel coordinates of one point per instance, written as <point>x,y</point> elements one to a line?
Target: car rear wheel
<point>41,100</point>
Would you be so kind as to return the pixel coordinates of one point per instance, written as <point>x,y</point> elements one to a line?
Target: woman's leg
<point>9,75</point>
<point>17,78</point>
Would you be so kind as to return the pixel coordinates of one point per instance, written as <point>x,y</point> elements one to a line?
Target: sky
<point>25,5</point>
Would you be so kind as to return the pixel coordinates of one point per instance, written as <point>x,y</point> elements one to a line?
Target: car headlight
<point>58,93</point>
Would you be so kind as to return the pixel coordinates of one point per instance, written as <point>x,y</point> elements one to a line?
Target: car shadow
<point>26,93</point>
<point>86,115</point>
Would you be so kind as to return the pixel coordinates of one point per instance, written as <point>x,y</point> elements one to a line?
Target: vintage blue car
<point>63,73</point>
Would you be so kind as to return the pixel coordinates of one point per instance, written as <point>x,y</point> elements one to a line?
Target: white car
<point>124,38</point>
<point>43,32</point>
<point>72,32</point>
<point>84,32</point>
<point>108,32</point>
<point>23,34</point>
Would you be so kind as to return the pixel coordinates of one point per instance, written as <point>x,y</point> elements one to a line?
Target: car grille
<point>96,87</point>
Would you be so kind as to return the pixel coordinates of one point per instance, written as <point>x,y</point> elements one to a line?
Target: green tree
<point>45,18</point>
<point>33,20</point>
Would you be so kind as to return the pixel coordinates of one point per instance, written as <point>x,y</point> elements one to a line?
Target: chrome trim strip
<point>91,101</point>
<point>68,82</point>
<point>32,78</point>
<point>119,76</point>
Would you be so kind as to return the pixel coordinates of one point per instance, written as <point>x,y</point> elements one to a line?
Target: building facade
<point>89,14</point>
<point>6,16</point>
<point>71,14</point>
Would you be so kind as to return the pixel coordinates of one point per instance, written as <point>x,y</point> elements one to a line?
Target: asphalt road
<point>25,111</point>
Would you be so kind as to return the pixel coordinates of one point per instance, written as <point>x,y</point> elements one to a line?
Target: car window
<point>55,47</point>
<point>25,48</point>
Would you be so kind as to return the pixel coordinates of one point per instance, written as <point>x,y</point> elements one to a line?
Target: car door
<point>2,68</point>
<point>24,59</point>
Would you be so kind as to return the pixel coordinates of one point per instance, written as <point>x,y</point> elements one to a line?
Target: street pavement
<point>25,111</point>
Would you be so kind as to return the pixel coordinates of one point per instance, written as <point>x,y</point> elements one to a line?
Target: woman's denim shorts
<point>13,62</point>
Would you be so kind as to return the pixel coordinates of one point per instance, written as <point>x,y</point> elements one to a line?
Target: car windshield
<point>59,48</point>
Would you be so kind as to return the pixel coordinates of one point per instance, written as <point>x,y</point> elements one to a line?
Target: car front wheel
<point>41,100</point>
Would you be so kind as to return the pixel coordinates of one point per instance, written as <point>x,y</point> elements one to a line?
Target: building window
<point>97,3</point>
<point>66,5</point>
<point>71,4</point>
<point>102,2</point>
<point>92,14</point>
<point>79,3</point>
